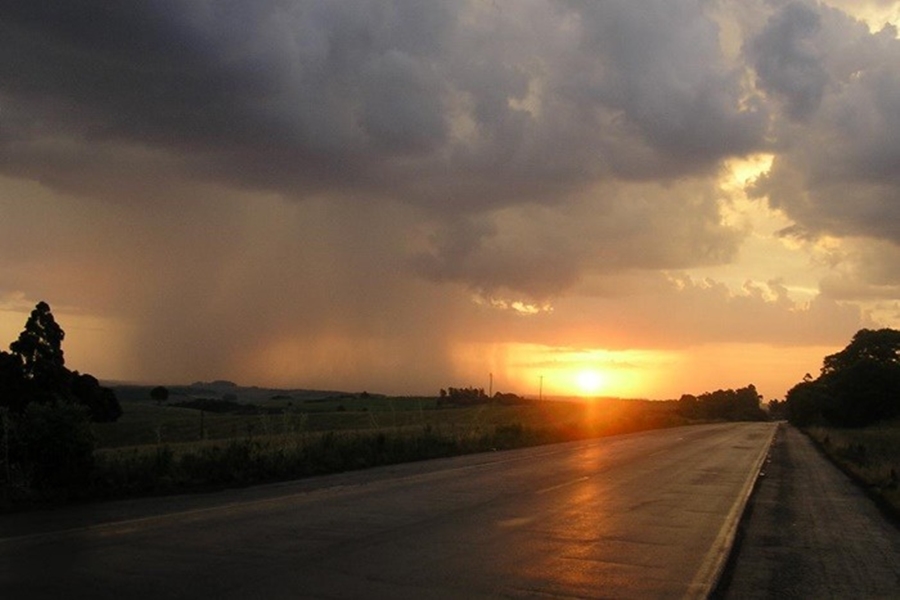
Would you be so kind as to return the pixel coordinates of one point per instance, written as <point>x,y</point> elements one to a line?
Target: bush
<point>50,447</point>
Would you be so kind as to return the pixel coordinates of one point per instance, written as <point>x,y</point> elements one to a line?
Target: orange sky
<point>612,199</point>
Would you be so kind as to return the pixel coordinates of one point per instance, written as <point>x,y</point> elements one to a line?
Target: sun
<point>589,382</point>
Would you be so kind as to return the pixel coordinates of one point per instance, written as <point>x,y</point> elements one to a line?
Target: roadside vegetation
<point>852,412</point>
<point>163,449</point>
<point>65,438</point>
<point>870,455</point>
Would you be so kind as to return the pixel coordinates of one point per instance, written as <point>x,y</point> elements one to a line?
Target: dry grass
<point>871,455</point>
<point>144,423</point>
<point>241,450</point>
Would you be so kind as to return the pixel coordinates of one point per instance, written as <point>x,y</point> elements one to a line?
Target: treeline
<point>858,386</point>
<point>469,396</point>
<point>45,413</point>
<point>728,405</point>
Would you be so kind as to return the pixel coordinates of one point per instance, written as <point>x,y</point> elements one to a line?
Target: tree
<point>53,446</point>
<point>101,402</point>
<point>35,372</point>
<point>742,404</point>
<point>776,409</point>
<point>858,386</point>
<point>881,347</point>
<point>13,386</point>
<point>805,401</point>
<point>46,411</point>
<point>39,347</point>
<point>160,394</point>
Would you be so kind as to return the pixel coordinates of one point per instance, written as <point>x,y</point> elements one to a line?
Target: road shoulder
<point>809,531</point>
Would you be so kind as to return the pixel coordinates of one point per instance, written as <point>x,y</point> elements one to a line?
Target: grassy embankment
<point>870,455</point>
<point>163,449</point>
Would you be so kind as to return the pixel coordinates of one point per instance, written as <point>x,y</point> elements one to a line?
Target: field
<point>208,438</point>
<point>871,455</point>
<point>146,423</point>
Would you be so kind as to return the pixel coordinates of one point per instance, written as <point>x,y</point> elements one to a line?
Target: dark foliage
<point>46,411</point>
<point>858,386</point>
<point>508,399</point>
<point>805,401</point>
<point>101,402</point>
<point>466,396</point>
<point>160,394</point>
<point>51,447</point>
<point>39,348</point>
<point>728,405</point>
<point>35,372</point>
<point>777,409</point>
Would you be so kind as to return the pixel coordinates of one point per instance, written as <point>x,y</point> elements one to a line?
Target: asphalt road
<point>648,515</point>
<point>810,532</point>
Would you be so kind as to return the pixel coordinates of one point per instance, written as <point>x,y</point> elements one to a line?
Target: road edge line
<point>713,566</point>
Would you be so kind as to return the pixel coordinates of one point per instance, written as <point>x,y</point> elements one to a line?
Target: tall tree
<point>876,346</point>
<point>39,346</point>
<point>35,372</point>
<point>858,386</point>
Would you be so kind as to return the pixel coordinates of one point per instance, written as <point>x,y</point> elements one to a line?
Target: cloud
<point>679,312</point>
<point>863,271</point>
<point>836,174</point>
<point>787,63</point>
<point>453,104</point>
<point>303,188</point>
<point>539,251</point>
<point>483,115</point>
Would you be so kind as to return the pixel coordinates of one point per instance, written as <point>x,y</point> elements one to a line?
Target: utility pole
<point>541,389</point>
<point>491,386</point>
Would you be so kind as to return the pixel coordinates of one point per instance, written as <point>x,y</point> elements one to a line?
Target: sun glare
<point>539,371</point>
<point>589,382</point>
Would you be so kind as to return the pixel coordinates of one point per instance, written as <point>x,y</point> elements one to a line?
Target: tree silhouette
<point>857,386</point>
<point>160,394</point>
<point>35,372</point>
<point>14,388</point>
<point>46,412</point>
<point>39,347</point>
<point>742,404</point>
<point>872,346</point>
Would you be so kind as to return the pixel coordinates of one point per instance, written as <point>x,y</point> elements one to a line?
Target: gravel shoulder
<point>810,532</point>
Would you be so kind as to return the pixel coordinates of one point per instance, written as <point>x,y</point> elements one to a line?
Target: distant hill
<point>228,390</point>
<point>218,383</point>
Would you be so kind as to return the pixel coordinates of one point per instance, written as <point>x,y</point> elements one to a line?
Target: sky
<point>546,197</point>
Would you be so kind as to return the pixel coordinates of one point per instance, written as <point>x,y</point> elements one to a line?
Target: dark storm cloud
<point>837,173</point>
<point>787,62</point>
<point>381,96</point>
<point>478,114</point>
<point>459,108</point>
<point>659,64</point>
<point>269,94</point>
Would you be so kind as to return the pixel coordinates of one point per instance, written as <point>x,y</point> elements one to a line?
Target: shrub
<point>50,447</point>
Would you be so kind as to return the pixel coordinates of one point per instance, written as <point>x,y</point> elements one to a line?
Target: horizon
<point>570,199</point>
<point>375,393</point>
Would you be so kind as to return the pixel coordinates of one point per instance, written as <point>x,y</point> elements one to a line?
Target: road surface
<point>647,515</point>
<point>812,533</point>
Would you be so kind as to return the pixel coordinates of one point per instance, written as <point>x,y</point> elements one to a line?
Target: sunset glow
<point>590,383</point>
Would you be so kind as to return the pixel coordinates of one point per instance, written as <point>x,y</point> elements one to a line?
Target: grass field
<point>871,455</point>
<point>145,423</point>
<point>164,448</point>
